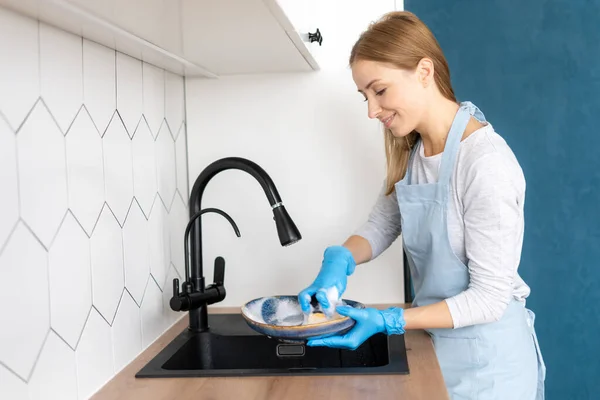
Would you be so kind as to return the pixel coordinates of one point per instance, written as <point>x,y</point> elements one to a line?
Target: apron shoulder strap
<point>461,119</point>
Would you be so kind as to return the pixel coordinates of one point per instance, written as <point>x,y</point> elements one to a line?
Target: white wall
<point>311,133</point>
<point>92,161</point>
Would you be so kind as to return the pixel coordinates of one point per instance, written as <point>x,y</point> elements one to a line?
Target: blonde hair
<point>401,39</point>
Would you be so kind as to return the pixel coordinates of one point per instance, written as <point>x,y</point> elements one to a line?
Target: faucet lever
<point>219,273</point>
<point>175,287</point>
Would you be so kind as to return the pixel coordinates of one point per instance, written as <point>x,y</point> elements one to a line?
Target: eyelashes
<point>382,91</point>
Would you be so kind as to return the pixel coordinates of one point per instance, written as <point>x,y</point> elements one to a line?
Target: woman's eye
<point>382,91</point>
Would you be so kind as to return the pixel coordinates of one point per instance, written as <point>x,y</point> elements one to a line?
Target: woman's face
<point>396,97</point>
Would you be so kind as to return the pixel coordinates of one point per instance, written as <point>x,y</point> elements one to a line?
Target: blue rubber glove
<point>369,321</point>
<point>338,263</point>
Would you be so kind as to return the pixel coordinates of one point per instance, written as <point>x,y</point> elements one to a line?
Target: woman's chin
<point>399,132</point>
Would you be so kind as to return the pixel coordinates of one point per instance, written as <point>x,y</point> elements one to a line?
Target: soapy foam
<point>281,312</point>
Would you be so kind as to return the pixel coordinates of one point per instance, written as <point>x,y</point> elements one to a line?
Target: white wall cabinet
<point>207,38</point>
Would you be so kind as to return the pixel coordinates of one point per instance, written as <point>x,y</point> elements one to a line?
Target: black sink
<point>232,348</point>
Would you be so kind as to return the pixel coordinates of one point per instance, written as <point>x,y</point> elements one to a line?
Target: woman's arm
<point>380,230</point>
<point>493,223</point>
<point>360,249</point>
<point>432,316</point>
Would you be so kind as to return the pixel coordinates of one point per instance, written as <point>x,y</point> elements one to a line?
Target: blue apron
<point>498,360</point>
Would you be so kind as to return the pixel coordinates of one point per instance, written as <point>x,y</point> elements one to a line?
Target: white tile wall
<point>88,139</point>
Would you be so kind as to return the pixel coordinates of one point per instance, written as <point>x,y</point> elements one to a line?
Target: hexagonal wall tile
<point>11,387</point>
<point>181,157</point>
<point>43,174</point>
<point>129,91</point>
<point>19,78</point>
<point>154,96</point>
<point>70,281</point>
<point>61,73</point>
<point>118,169</point>
<point>23,262</point>
<point>9,201</point>
<point>174,101</point>
<point>55,373</point>
<point>158,236</point>
<point>85,169</point>
<point>144,167</point>
<point>107,265</point>
<point>94,356</point>
<point>127,332</point>
<point>135,246</point>
<point>153,320</point>
<point>166,170</point>
<point>178,219</point>
<point>99,77</point>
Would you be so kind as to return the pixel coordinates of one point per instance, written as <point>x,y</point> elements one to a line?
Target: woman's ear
<point>425,72</point>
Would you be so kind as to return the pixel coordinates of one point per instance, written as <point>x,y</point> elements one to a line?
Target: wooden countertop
<point>424,381</point>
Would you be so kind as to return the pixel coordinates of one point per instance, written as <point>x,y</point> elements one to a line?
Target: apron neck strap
<point>461,119</point>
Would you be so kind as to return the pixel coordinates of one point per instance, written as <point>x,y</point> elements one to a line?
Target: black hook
<point>315,37</point>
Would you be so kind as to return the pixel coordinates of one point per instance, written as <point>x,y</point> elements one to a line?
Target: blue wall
<point>533,67</point>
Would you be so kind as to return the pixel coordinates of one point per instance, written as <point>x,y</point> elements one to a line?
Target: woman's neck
<point>436,125</point>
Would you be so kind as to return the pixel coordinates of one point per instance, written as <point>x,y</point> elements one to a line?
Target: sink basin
<point>231,348</point>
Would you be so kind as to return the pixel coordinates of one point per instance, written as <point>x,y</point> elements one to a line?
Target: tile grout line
<point>89,263</point>
<point>54,236</point>
<point>38,356</point>
<point>132,167</point>
<point>39,49</point>
<point>83,74</point>
<point>157,284</point>
<point>132,298</point>
<point>33,233</point>
<point>9,237</point>
<point>143,93</point>
<point>116,83</point>
<point>100,314</point>
<point>84,325</point>
<point>10,370</point>
<point>123,269</point>
<point>118,305</point>
<point>61,338</point>
<point>60,226</point>
<point>35,104</point>
<point>145,290</point>
<point>184,126</point>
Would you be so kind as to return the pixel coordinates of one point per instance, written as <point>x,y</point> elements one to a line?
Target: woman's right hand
<point>329,285</point>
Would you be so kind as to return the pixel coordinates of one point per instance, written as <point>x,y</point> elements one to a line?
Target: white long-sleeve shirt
<point>485,223</point>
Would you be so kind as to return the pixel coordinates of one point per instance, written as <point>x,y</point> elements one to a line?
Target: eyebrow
<point>369,84</point>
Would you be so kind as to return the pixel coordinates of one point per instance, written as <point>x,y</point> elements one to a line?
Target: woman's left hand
<point>369,321</point>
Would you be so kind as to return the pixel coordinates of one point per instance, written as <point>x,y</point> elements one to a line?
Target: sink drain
<point>290,350</point>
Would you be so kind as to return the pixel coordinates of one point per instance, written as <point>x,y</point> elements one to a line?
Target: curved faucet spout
<point>187,232</point>
<point>286,229</point>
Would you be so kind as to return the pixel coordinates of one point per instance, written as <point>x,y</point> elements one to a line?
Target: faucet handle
<point>219,273</point>
<point>175,287</point>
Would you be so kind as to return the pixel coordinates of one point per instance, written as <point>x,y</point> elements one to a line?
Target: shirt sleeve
<point>493,223</point>
<point>383,225</point>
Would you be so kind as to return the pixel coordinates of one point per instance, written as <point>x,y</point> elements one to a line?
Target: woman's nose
<point>374,109</point>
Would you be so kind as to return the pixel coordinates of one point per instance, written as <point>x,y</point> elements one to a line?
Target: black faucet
<point>194,296</point>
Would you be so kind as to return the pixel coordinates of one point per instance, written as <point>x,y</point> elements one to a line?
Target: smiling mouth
<point>387,121</point>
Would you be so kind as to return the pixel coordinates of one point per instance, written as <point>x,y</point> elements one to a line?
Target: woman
<point>455,191</point>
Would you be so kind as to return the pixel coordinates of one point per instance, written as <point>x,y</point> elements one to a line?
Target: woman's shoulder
<point>487,152</point>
